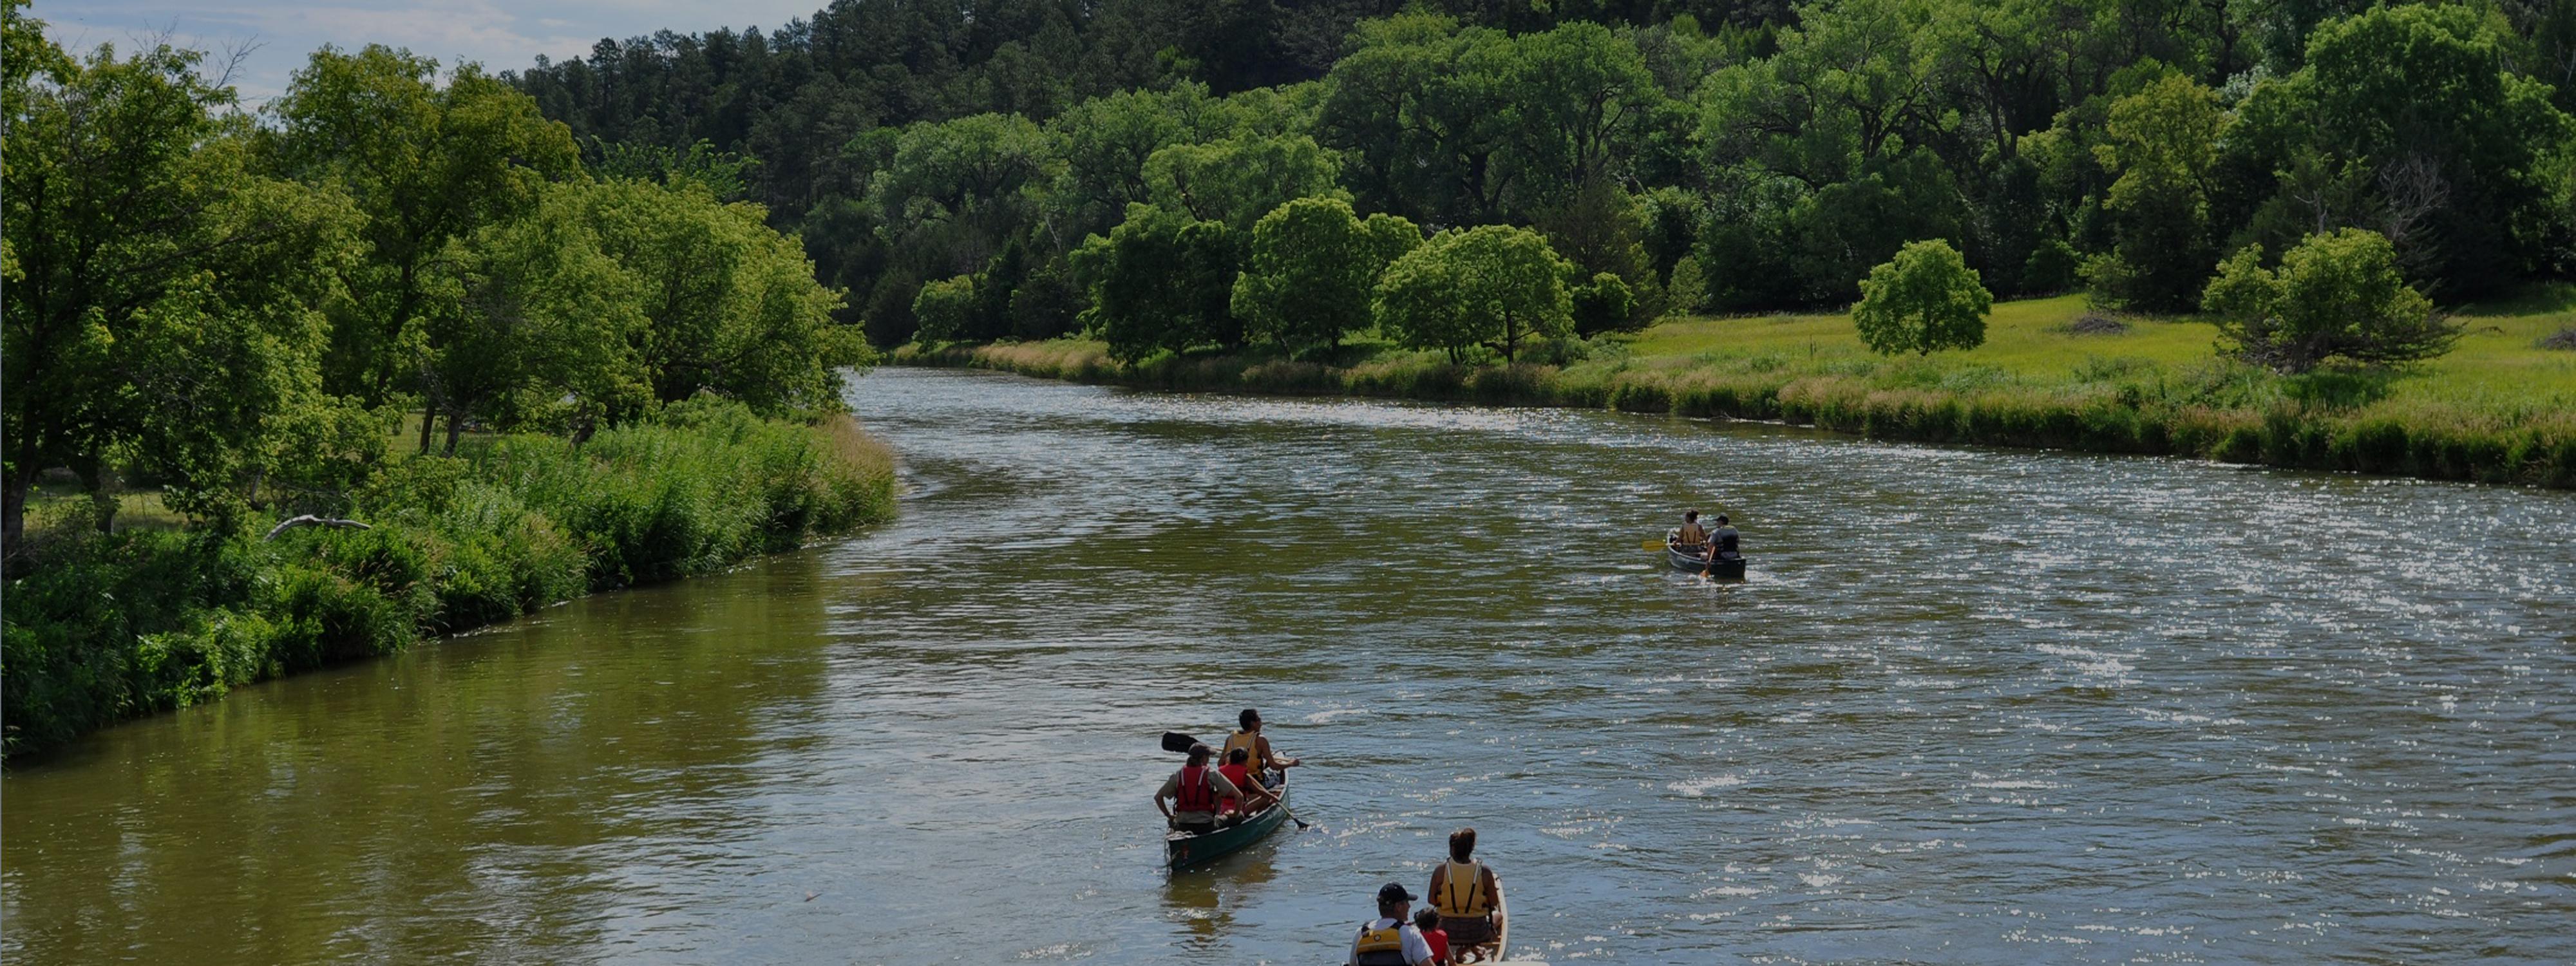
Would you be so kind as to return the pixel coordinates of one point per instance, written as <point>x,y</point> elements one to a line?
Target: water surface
<point>1974,706</point>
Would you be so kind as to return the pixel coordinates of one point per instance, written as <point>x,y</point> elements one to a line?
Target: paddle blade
<point>1178,743</point>
<point>1654,545</point>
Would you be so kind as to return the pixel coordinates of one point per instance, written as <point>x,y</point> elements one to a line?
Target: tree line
<point>1007,169</point>
<point>240,305</point>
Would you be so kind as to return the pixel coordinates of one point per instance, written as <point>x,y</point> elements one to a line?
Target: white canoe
<point>1503,933</point>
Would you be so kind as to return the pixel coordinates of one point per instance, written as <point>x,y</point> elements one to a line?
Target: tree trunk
<point>100,483</point>
<point>13,514</point>
<point>428,421</point>
<point>455,428</point>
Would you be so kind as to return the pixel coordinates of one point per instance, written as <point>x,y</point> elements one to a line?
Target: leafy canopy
<point>1924,300</point>
<point>1312,270</point>
<point>1494,286</point>
<point>2336,296</point>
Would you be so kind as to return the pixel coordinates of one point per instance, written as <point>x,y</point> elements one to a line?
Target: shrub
<point>2337,296</point>
<point>107,626</point>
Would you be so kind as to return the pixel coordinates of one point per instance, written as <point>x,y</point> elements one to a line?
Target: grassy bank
<point>2500,408</point>
<point>106,627</point>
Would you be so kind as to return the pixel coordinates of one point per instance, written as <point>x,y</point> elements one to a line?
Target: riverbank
<point>2052,374</point>
<point>104,627</point>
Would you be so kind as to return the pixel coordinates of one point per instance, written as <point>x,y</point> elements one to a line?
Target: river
<point>1972,706</point>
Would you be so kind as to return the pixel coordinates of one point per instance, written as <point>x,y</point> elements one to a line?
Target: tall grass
<point>105,627</point>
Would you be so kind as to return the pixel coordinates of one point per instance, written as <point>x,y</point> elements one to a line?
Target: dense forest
<point>1028,168</point>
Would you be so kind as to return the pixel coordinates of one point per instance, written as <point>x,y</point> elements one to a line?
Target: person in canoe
<point>1264,759</point>
<point>1391,939</point>
<point>1725,543</point>
<point>1466,894</point>
<point>1691,533</point>
<point>1238,771</point>
<point>1194,792</point>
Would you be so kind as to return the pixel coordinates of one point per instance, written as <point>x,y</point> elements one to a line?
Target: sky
<point>502,34</point>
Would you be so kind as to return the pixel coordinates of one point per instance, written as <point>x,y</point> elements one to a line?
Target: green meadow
<point>2053,372</point>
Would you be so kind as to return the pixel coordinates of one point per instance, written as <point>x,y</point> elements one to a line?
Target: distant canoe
<point>1184,850</point>
<point>1690,560</point>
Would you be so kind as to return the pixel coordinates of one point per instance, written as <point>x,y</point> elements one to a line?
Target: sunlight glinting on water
<point>1972,706</point>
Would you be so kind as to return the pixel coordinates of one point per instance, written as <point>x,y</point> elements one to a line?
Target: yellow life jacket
<point>1380,947</point>
<point>1251,745</point>
<point>1462,892</point>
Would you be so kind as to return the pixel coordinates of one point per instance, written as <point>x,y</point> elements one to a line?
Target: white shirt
<point>1416,948</point>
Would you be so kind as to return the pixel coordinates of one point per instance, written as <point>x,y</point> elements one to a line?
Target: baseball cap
<point>1394,892</point>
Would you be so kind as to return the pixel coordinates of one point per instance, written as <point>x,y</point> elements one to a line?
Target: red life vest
<point>1240,775</point>
<point>1196,792</point>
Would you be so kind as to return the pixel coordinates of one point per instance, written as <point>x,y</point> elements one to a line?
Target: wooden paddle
<point>1174,741</point>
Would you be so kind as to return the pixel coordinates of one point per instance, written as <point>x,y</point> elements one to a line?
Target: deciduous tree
<point>1495,286</point>
<point>164,304</point>
<point>2336,296</point>
<point>428,160</point>
<point>1312,270</point>
<point>1160,281</point>
<point>1925,300</point>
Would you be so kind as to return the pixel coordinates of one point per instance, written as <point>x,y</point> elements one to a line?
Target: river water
<point>1973,707</point>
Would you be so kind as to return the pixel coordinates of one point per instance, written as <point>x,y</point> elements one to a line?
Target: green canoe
<point>1189,850</point>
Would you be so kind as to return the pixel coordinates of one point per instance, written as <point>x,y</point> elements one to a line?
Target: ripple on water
<point>1973,706</point>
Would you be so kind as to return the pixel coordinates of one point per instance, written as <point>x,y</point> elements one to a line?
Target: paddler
<point>1390,939</point>
<point>1194,792</point>
<point>1691,534</point>
<point>1466,894</point>
<point>1238,770</point>
<point>1725,543</point>
<point>1264,760</point>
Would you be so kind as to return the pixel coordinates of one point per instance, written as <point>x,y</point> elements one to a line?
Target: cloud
<point>502,36</point>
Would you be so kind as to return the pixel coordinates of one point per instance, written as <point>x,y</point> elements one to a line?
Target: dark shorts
<point>1467,932</point>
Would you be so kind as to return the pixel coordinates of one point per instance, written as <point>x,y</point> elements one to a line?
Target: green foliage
<point>1236,181</point>
<point>1603,305</point>
<point>2053,266</point>
<point>164,304</point>
<point>729,306</point>
<point>2336,296</point>
<point>1161,281</point>
<point>1688,290</point>
<point>2163,143</point>
<point>942,309</point>
<point>1600,228</point>
<point>528,323</point>
<point>1926,299</point>
<point>111,626</point>
<point>1494,286</point>
<point>428,161</point>
<point>2412,121</point>
<point>1313,268</point>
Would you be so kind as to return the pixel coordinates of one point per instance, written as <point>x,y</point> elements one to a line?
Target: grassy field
<point>2497,364</point>
<point>2499,408</point>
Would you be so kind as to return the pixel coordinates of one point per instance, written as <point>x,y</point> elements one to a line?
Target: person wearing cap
<point>1391,939</point>
<point>1264,760</point>
<point>1723,544</point>
<point>1194,792</point>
